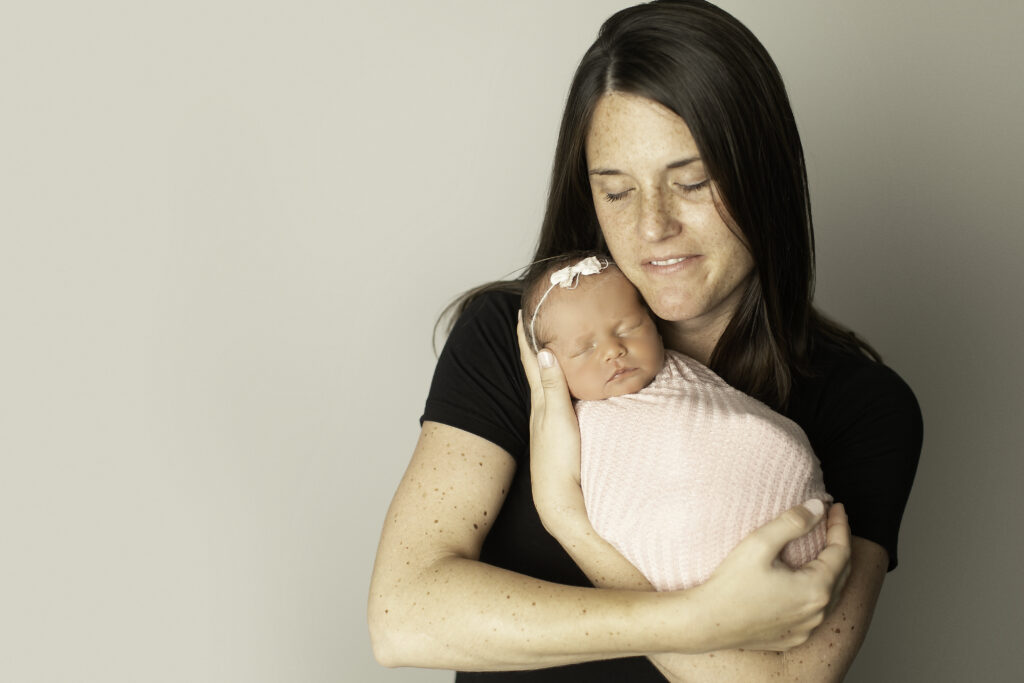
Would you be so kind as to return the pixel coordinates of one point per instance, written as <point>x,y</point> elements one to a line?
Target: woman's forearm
<point>433,604</point>
<point>824,658</point>
<point>462,614</point>
<point>826,655</point>
<point>605,566</point>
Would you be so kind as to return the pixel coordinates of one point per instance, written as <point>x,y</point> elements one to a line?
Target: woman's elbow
<point>384,638</point>
<point>396,641</point>
<point>383,649</point>
<point>394,646</point>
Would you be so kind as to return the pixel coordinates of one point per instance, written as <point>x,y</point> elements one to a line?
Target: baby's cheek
<point>584,383</point>
<point>572,378</point>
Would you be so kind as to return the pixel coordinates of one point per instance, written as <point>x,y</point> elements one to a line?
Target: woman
<point>678,154</point>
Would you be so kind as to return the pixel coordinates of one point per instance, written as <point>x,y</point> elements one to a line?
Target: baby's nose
<point>614,349</point>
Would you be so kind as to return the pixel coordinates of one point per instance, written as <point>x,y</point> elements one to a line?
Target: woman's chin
<point>674,308</point>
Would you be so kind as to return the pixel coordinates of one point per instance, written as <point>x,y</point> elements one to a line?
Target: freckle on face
<point>640,138</point>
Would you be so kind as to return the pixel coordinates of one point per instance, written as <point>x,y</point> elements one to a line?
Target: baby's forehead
<point>602,285</point>
<point>592,290</point>
<point>589,302</point>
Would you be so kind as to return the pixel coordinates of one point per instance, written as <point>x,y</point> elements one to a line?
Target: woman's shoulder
<point>847,390</point>
<point>484,334</point>
<point>838,370</point>
<point>479,385</point>
<point>491,309</point>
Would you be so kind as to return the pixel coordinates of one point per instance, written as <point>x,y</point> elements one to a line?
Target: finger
<point>835,557</point>
<point>837,517</point>
<point>838,586</point>
<point>790,525</point>
<point>838,528</point>
<point>837,589</point>
<point>841,583</point>
<point>552,381</point>
<point>547,383</point>
<point>839,533</point>
<point>529,361</point>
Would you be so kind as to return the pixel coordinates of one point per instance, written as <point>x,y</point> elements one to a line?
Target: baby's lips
<point>619,372</point>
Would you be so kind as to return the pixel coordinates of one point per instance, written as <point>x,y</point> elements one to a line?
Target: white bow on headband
<point>567,278</point>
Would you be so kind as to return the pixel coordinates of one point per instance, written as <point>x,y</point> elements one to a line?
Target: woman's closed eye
<point>694,187</point>
<point>685,188</point>
<point>616,196</point>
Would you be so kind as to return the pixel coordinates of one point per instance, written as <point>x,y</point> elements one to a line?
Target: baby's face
<point>604,338</point>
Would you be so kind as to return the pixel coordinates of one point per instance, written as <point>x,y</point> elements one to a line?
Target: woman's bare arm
<point>824,658</point>
<point>433,604</point>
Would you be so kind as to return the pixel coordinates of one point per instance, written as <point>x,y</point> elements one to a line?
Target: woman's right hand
<point>554,438</point>
<point>762,604</point>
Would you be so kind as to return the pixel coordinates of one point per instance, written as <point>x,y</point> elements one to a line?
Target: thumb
<point>556,391</point>
<point>789,526</point>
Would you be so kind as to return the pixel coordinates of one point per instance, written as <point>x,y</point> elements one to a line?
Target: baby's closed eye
<point>630,327</point>
<point>582,351</point>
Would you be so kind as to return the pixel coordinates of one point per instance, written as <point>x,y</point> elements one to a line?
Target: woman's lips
<point>669,264</point>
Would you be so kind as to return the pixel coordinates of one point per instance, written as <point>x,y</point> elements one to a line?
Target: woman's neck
<point>696,339</point>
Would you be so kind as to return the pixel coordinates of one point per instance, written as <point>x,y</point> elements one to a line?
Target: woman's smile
<point>669,265</point>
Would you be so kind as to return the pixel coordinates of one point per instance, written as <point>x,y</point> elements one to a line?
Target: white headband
<point>567,278</point>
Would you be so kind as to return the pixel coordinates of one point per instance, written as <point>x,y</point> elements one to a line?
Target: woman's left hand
<point>554,434</point>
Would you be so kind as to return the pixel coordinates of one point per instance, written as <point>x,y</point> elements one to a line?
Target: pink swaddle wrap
<point>675,475</point>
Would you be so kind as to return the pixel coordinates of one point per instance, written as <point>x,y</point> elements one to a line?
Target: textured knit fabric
<point>861,418</point>
<point>675,475</point>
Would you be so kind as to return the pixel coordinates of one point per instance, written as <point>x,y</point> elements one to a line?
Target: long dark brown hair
<point>706,67</point>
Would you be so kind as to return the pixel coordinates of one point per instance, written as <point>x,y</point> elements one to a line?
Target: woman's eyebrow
<point>683,162</point>
<point>615,171</point>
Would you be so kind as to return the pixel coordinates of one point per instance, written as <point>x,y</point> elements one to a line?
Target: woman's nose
<point>655,222</point>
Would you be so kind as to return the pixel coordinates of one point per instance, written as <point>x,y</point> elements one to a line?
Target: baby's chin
<point>621,392</point>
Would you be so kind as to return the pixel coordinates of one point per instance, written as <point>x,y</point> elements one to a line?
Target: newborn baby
<point>677,467</point>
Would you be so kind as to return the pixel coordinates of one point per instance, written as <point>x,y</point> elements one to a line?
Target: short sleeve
<point>869,449</point>
<point>479,385</point>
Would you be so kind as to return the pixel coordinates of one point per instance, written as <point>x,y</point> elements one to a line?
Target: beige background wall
<point>227,227</point>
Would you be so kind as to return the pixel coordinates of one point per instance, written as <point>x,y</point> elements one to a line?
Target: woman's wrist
<point>679,621</point>
<point>559,502</point>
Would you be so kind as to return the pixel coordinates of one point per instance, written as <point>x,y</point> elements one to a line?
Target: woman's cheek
<point>614,221</point>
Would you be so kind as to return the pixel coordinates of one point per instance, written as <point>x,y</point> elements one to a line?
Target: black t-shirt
<point>861,419</point>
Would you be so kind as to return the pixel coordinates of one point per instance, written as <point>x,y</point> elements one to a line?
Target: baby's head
<point>596,324</point>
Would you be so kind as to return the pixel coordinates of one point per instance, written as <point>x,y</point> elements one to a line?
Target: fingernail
<point>815,506</point>
<point>545,358</point>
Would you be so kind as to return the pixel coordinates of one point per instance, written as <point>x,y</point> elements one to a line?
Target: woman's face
<point>657,211</point>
